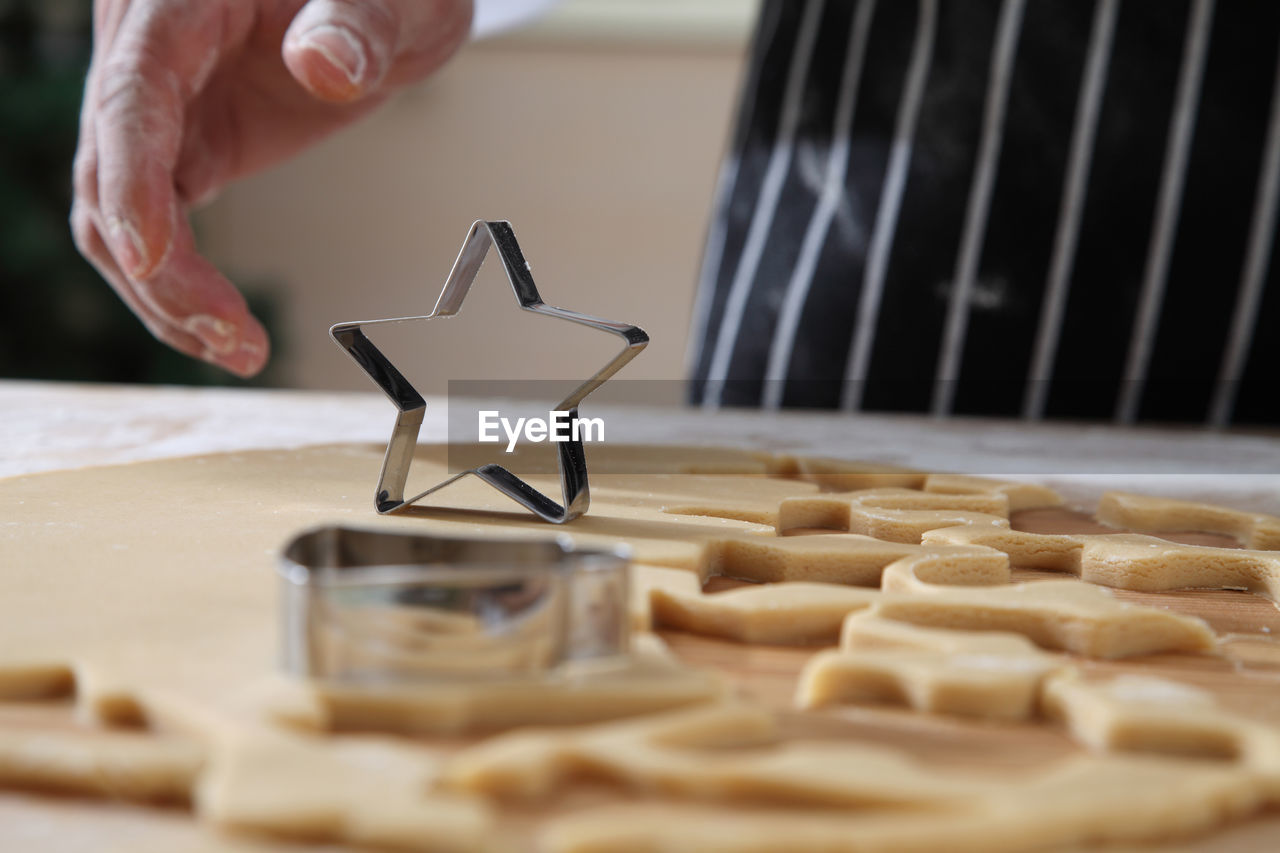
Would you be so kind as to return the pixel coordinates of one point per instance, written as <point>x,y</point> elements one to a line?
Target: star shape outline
<point>410,404</point>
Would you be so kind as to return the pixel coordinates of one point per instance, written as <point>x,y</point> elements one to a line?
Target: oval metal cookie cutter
<point>369,606</point>
<point>571,457</point>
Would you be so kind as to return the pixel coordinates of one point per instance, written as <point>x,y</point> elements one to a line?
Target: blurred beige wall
<point>599,141</point>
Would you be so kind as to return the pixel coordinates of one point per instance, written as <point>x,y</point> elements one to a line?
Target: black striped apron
<point>1034,208</point>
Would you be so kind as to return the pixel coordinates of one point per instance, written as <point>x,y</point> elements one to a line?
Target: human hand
<point>184,96</point>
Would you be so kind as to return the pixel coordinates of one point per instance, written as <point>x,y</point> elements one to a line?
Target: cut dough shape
<point>1055,552</point>
<point>1127,560</point>
<point>797,612</point>
<point>1020,495</point>
<point>1156,565</point>
<point>828,558</point>
<point>688,754</point>
<point>753,499</point>
<point>646,581</point>
<point>1002,676</point>
<point>969,673</point>
<point>930,585</point>
<point>777,614</point>
<point>117,765</point>
<point>833,511</point>
<point>869,631</point>
<point>910,525</point>
<point>364,791</point>
<point>1066,615</point>
<point>1135,712</point>
<point>1145,514</point>
<point>845,475</point>
<point>991,503</point>
<point>1083,801</point>
<point>39,823</point>
<point>349,790</point>
<point>654,681</point>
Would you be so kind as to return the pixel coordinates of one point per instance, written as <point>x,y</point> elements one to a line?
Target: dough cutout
<point>985,674</point>
<point>647,581</point>
<point>1066,615</point>
<point>1019,495</point>
<point>1160,565</point>
<point>829,558</point>
<point>833,511</point>
<point>122,765</point>
<point>719,496</point>
<point>116,826</point>
<point>970,672</point>
<point>1002,676</point>
<point>727,752</point>
<point>1128,560</point>
<point>367,791</point>
<point>798,612</point>
<point>910,525</point>
<point>928,586</point>
<point>1145,514</point>
<point>795,613</point>
<point>1083,801</point>
<point>839,510</point>
<point>843,475</point>
<point>655,681</point>
<point>1142,713</point>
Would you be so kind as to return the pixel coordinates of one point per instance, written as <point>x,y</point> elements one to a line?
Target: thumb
<point>343,50</point>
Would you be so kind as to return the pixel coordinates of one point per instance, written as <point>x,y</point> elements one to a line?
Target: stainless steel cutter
<point>576,495</point>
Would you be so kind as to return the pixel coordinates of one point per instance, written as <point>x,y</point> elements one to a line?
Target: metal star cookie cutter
<point>376,606</point>
<point>572,461</point>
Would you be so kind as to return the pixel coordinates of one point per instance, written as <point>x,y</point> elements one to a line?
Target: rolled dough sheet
<point>163,578</point>
<point>163,572</point>
<point>150,591</point>
<point>153,585</point>
<point>1082,802</point>
<point>84,826</point>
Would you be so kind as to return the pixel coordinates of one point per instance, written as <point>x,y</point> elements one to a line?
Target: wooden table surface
<point>50,426</point>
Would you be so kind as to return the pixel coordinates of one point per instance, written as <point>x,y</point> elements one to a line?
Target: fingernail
<point>127,245</point>
<point>217,334</point>
<point>246,361</point>
<point>338,45</point>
